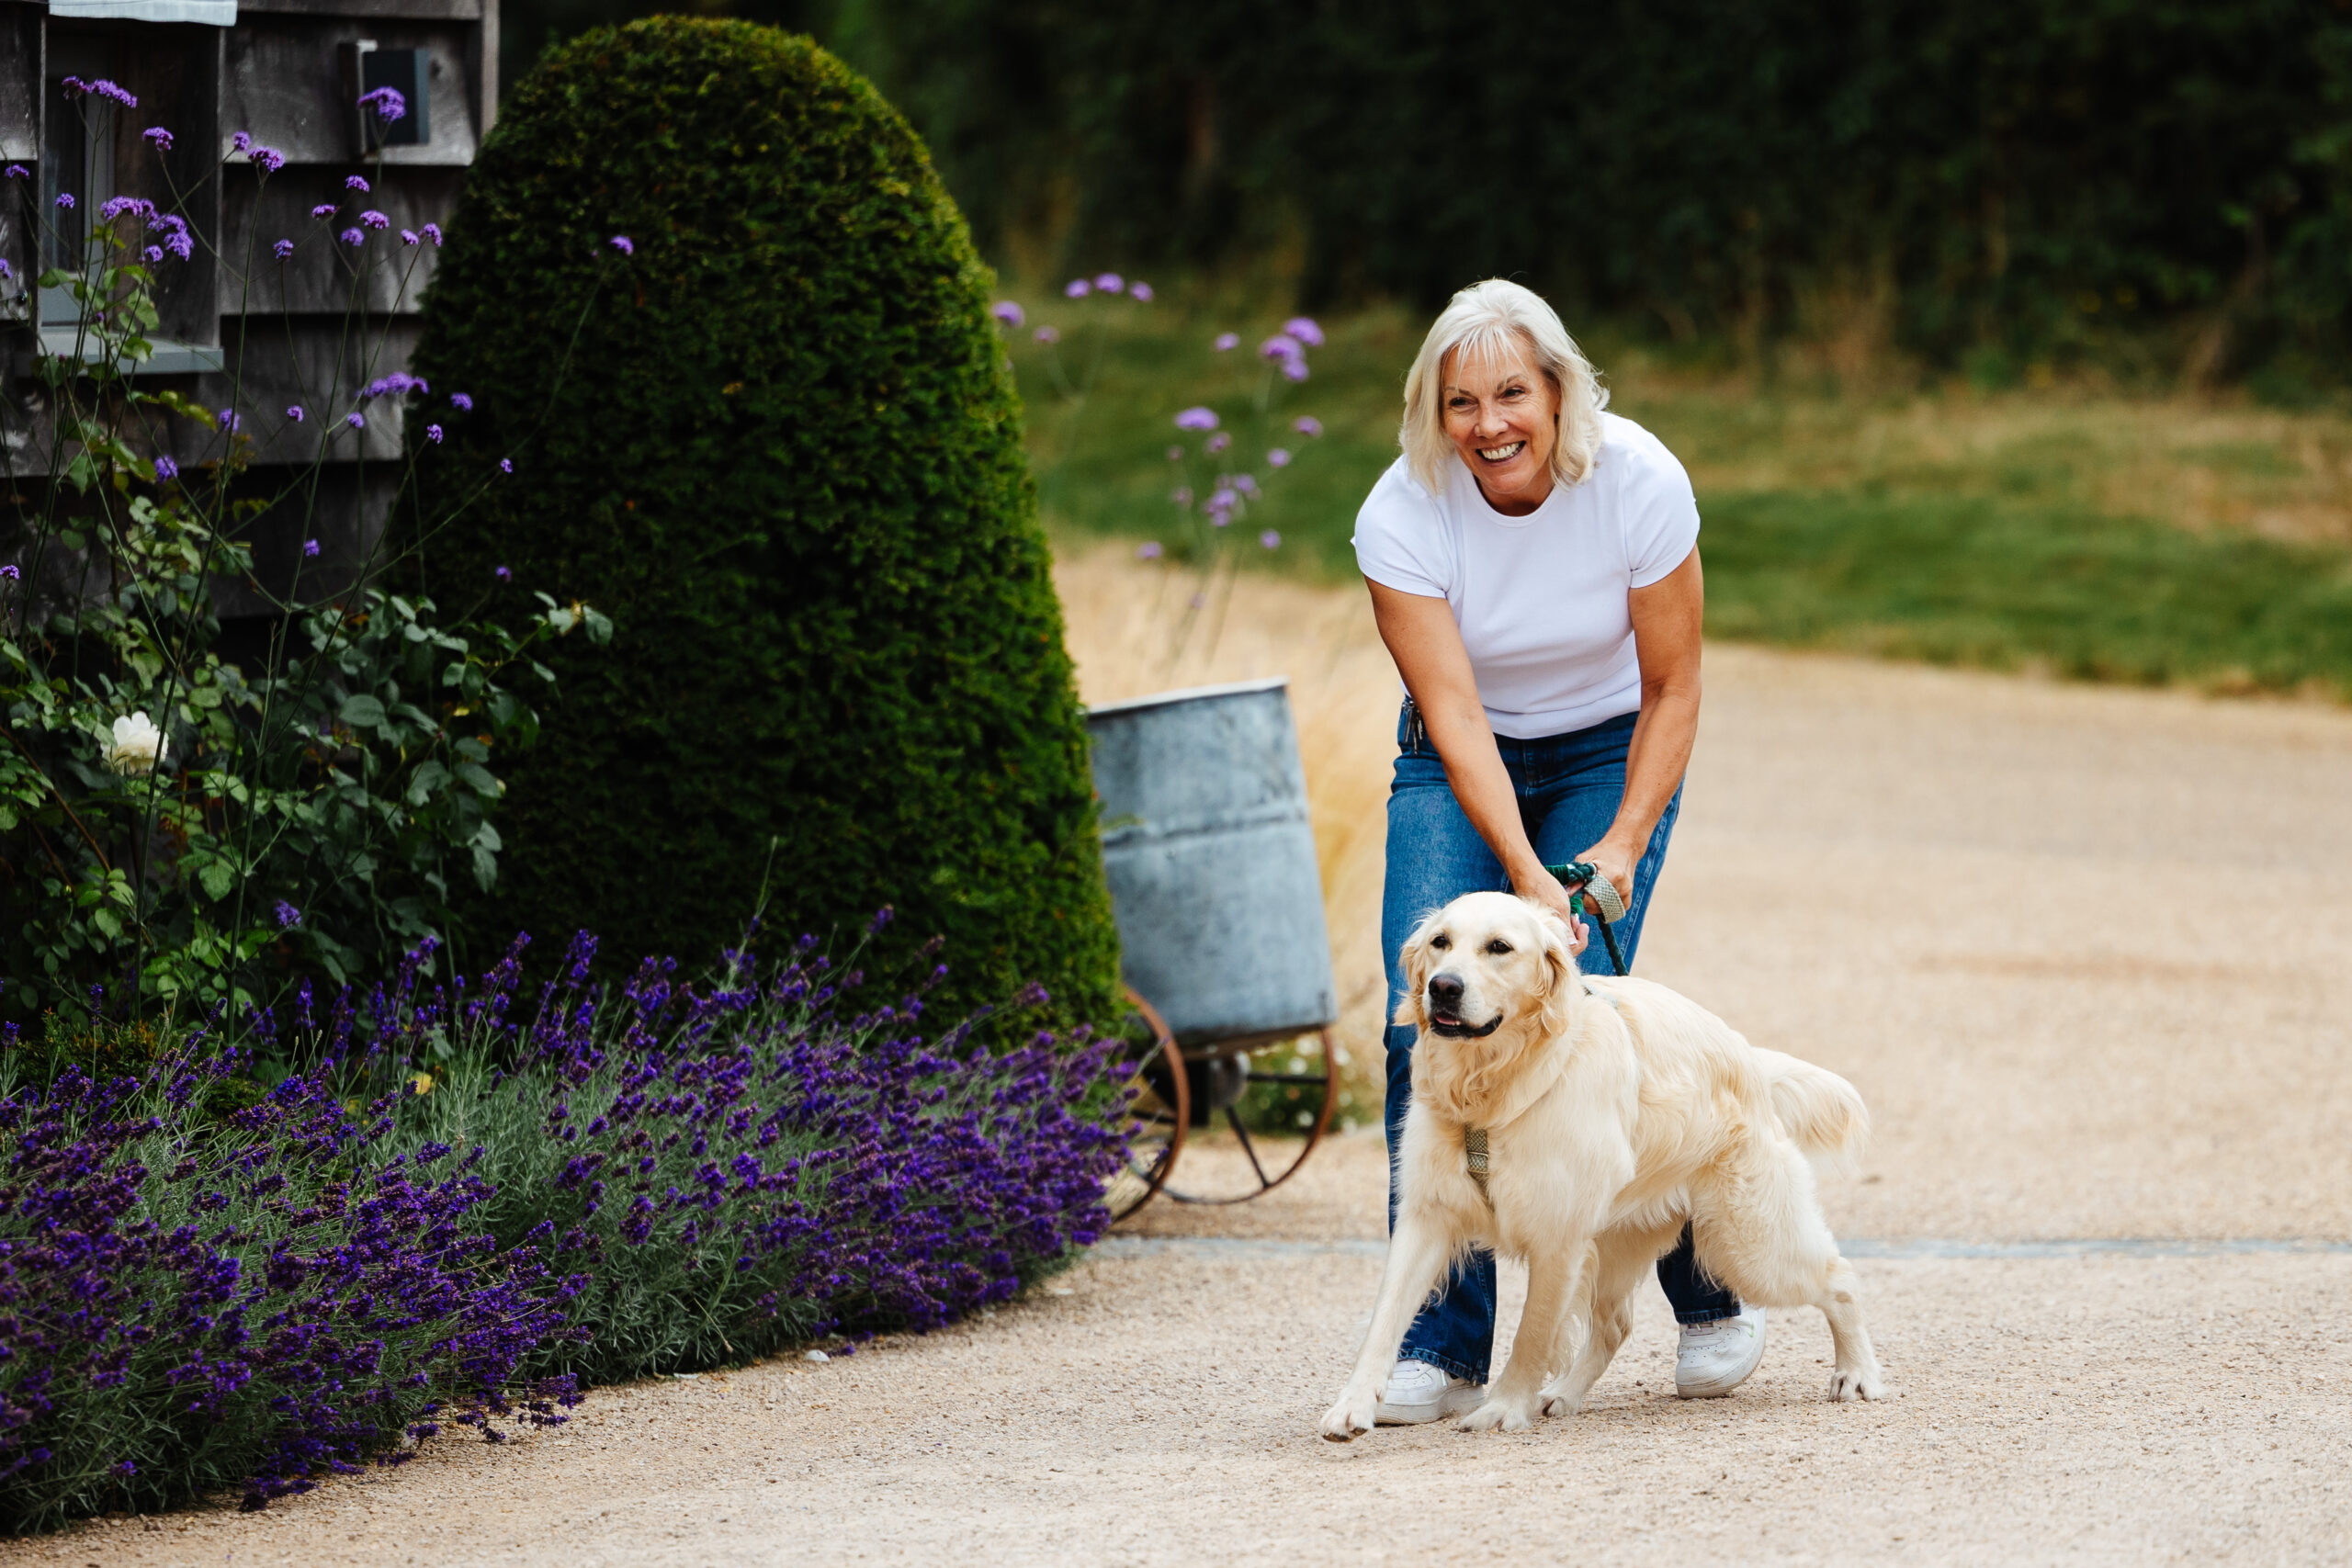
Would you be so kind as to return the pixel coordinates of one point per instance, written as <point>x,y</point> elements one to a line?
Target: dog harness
<point>1474,1156</point>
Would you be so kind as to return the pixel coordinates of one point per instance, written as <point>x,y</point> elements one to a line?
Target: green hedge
<point>785,458</point>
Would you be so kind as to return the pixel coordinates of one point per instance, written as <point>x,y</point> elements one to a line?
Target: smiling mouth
<point>1452,1028</point>
<point>1501,454</point>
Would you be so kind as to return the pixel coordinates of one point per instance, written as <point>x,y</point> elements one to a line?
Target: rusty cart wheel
<point>1159,1115</point>
<point>1289,1083</point>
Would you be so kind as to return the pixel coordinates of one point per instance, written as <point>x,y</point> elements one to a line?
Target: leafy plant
<point>180,827</point>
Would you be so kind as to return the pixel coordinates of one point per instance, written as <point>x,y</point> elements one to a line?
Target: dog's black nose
<point>1445,990</point>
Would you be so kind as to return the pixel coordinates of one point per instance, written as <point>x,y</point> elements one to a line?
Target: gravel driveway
<point>2083,951</point>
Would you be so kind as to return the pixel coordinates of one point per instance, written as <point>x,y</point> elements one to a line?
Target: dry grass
<point>1122,623</point>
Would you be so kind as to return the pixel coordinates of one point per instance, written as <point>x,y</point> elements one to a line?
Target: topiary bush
<point>787,460</point>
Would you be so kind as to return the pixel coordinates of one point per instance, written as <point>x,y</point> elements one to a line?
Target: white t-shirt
<point>1540,598</point>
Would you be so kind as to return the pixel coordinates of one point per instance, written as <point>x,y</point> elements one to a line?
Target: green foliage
<point>792,471</point>
<point>174,828</point>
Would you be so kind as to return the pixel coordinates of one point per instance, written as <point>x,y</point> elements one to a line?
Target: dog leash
<point>1576,875</point>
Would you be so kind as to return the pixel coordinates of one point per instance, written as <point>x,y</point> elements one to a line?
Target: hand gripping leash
<point>1583,877</point>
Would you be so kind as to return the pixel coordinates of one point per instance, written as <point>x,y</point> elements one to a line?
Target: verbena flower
<point>1110,282</point>
<point>159,136</point>
<point>1306,424</point>
<point>100,88</point>
<point>1304,329</point>
<point>295,413</point>
<point>1246,483</point>
<point>1294,369</point>
<point>506,465</point>
<point>165,469</point>
<point>324,209</point>
<point>9,572</point>
<point>289,917</point>
<point>432,233</point>
<point>371,219</point>
<point>387,102</point>
<point>1048,334</point>
<point>356,421</point>
<point>139,747</point>
<point>354,181</point>
<point>1227,341</point>
<point>283,250</point>
<point>269,158</point>
<point>504,575</point>
<point>624,245</point>
<point>1217,443</point>
<point>239,140</point>
<point>153,255</point>
<point>1278,458</point>
<point>1077,288</point>
<point>1140,291</point>
<point>1182,495</point>
<point>1282,345</point>
<point>228,420</point>
<point>309,549</point>
<point>408,237</point>
<point>16,172</point>
<point>353,237</point>
<point>461,402</point>
<point>66,199</point>
<point>1009,312</point>
<point>433,433</point>
<point>1270,539</point>
<point>1196,418</point>
<point>1149,550</point>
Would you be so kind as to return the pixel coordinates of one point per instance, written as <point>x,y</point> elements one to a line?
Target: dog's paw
<point>1562,1404</point>
<point>1352,1415</point>
<point>1856,1383</point>
<point>1498,1416</point>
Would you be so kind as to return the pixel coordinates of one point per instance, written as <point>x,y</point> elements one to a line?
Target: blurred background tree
<point>2160,187</point>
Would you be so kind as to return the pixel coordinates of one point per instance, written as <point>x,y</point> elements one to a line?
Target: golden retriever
<point>1614,1111</point>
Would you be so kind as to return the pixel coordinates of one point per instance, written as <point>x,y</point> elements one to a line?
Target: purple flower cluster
<point>100,88</point>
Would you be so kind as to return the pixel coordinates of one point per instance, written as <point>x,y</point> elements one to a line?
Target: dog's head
<point>1486,962</point>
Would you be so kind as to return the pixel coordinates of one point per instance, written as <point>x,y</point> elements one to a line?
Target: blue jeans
<point>1569,789</point>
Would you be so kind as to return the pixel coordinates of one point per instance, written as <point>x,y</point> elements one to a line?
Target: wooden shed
<point>287,74</point>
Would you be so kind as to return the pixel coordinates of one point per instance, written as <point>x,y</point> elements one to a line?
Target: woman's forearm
<point>1655,762</point>
<point>1481,785</point>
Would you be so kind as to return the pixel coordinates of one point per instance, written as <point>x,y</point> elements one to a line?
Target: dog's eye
<point>1499,946</point>
<point>1441,941</point>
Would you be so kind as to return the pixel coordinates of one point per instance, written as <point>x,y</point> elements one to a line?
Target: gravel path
<point>2084,951</point>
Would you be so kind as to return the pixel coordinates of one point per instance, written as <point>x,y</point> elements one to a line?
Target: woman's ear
<point>1562,980</point>
<point>1415,960</point>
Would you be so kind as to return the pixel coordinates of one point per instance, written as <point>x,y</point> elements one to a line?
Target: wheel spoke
<point>1290,1078</point>
<point>1233,1119</point>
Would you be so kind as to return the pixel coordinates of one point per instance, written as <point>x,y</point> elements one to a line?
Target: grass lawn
<point>2121,539</point>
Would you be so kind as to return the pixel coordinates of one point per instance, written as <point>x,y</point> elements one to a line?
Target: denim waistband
<point>1537,751</point>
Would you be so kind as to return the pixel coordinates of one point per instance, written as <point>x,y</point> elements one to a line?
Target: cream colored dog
<point>1613,1111</point>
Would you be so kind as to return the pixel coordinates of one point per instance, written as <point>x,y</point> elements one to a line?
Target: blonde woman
<point>1533,565</point>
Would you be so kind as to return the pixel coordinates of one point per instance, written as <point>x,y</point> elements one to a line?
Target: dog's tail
<point>1817,1109</point>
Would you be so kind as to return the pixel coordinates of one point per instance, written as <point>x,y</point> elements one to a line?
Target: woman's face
<point>1503,417</point>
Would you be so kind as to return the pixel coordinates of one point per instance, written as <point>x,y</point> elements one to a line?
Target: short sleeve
<point>1401,540</point>
<point>1660,515</point>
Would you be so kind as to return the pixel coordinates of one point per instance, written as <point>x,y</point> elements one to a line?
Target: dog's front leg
<point>1416,1255</point>
<point>1552,1277</point>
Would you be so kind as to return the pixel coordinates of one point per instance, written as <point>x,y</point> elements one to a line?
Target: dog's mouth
<point>1452,1028</point>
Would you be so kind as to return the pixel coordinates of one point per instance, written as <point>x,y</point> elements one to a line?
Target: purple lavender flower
<point>1307,425</point>
<point>1009,312</point>
<point>623,244</point>
<point>1270,539</point>
<point>432,233</point>
<point>356,421</point>
<point>1140,291</point>
<point>324,209</point>
<point>295,413</point>
<point>1217,443</point>
<point>1196,418</point>
<point>165,469</point>
<point>1278,458</point>
<point>504,575</point>
<point>356,182</point>
<point>353,237</point>
<point>1077,288</point>
<point>1149,550</point>
<point>371,219</point>
<point>461,402</point>
<point>1110,282</point>
<point>1227,341</point>
<point>1048,334</point>
<point>283,250</point>
<point>159,136</point>
<point>388,103</point>
<point>433,433</point>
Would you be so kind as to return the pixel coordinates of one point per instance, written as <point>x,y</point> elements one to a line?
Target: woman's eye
<point>1499,946</point>
<point>1440,943</point>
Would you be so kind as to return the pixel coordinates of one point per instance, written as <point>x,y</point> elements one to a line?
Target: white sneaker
<point>1419,1391</point>
<point>1716,1357</point>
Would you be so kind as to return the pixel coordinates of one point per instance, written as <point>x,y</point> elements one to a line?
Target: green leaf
<point>218,878</point>
<point>362,711</point>
<point>429,776</point>
<point>485,868</point>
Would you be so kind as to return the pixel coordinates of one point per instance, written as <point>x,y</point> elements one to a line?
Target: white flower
<point>138,746</point>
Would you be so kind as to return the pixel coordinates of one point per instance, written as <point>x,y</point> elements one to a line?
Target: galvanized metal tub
<point>1211,861</point>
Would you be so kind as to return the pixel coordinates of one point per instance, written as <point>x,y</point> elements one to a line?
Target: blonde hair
<point>1501,319</point>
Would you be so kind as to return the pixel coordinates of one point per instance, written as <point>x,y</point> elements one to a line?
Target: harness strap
<point>1474,1158</point>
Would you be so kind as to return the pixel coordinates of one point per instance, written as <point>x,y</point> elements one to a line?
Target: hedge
<point>784,456</point>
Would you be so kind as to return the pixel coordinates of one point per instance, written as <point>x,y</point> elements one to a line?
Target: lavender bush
<point>198,1292</point>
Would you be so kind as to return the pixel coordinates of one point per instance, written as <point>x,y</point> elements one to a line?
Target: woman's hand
<point>1546,891</point>
<point>1612,861</point>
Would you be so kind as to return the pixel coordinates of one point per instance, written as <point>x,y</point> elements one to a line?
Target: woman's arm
<point>1667,618</point>
<point>1427,646</point>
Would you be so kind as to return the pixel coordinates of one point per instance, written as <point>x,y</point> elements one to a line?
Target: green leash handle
<point>1583,877</point>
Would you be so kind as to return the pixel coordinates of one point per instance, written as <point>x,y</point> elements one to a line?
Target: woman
<point>1534,565</point>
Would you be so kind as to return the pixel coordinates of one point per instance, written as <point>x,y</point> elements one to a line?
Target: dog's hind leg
<point>1416,1256</point>
<point>1854,1375</point>
<point>1624,1263</point>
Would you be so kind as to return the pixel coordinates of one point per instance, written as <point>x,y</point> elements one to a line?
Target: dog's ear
<point>1562,980</point>
<point>1415,960</point>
